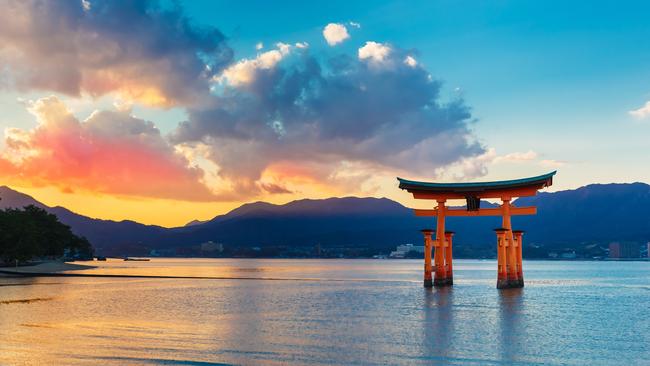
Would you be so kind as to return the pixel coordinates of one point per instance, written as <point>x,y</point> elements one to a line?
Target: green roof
<point>541,181</point>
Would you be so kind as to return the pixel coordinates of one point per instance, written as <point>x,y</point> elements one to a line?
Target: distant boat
<point>101,258</point>
<point>137,259</point>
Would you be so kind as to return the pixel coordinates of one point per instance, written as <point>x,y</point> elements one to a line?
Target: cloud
<point>472,167</point>
<point>375,53</point>
<point>274,188</point>
<point>335,33</point>
<point>137,49</point>
<point>244,71</point>
<point>409,60</point>
<point>516,157</point>
<point>550,163</point>
<point>340,120</point>
<point>328,113</point>
<point>110,152</point>
<point>642,112</point>
<point>477,166</point>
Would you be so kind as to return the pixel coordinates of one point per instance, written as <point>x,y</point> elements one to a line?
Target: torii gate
<point>509,268</point>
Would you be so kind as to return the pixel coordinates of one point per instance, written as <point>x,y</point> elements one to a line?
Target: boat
<point>137,259</point>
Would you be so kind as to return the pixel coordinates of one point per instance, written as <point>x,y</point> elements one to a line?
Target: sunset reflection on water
<point>348,312</point>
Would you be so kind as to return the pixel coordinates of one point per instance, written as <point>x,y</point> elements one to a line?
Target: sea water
<point>321,312</point>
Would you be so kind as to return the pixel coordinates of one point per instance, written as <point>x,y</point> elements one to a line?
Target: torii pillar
<point>519,245</point>
<point>449,257</point>
<point>428,279</point>
<point>441,246</point>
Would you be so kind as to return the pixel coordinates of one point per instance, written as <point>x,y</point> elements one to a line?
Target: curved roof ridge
<point>544,180</point>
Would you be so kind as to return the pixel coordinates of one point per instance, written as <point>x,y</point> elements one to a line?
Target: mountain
<point>594,214</point>
<point>597,213</point>
<point>101,233</point>
<point>333,221</point>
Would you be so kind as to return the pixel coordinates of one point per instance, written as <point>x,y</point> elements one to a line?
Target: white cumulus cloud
<point>374,52</point>
<point>409,60</point>
<point>335,33</point>
<point>244,71</point>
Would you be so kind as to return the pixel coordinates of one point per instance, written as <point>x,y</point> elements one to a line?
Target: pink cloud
<point>110,152</point>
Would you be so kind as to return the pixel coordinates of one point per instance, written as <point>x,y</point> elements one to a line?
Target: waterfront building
<point>211,247</point>
<point>569,255</point>
<point>624,250</point>
<point>402,250</point>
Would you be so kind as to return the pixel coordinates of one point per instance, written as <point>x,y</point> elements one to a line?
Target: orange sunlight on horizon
<point>151,211</point>
<point>162,212</point>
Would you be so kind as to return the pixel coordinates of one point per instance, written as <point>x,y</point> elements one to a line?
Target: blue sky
<point>556,77</point>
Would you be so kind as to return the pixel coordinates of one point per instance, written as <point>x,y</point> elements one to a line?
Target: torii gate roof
<point>518,187</point>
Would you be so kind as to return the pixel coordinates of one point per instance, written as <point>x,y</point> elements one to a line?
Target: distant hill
<point>333,221</point>
<point>596,213</point>
<point>101,233</point>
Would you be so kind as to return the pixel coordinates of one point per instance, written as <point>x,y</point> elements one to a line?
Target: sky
<point>164,112</point>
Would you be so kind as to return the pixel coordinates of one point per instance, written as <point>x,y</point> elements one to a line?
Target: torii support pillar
<point>428,268</point>
<point>448,258</point>
<point>440,246</point>
<point>509,270</point>
<point>502,274</point>
<point>519,245</point>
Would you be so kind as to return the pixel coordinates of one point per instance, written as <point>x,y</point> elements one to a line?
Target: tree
<point>33,232</point>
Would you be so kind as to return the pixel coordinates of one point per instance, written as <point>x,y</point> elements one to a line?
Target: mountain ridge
<point>592,213</point>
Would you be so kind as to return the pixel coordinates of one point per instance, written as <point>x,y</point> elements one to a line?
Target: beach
<point>45,267</point>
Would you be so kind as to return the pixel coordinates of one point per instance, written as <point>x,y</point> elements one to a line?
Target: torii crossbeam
<point>509,244</point>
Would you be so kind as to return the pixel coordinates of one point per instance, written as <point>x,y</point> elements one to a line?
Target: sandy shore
<point>48,267</point>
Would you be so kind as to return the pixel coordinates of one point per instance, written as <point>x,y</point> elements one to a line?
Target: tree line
<point>32,232</point>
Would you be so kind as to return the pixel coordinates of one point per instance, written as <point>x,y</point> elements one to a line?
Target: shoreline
<point>51,267</point>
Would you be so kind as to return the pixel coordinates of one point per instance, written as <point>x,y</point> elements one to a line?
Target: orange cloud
<point>110,152</point>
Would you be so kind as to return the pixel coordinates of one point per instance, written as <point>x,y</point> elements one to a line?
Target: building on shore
<point>569,255</point>
<point>402,250</point>
<point>210,247</point>
<point>624,249</point>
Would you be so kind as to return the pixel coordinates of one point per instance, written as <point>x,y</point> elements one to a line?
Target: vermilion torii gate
<point>509,242</point>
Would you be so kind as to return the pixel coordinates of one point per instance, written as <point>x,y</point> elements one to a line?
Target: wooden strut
<point>510,256</point>
<point>519,244</point>
<point>496,211</point>
<point>428,280</point>
<point>440,278</point>
<point>502,274</point>
<point>449,258</point>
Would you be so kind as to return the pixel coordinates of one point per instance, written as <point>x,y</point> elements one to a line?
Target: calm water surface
<point>348,312</point>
